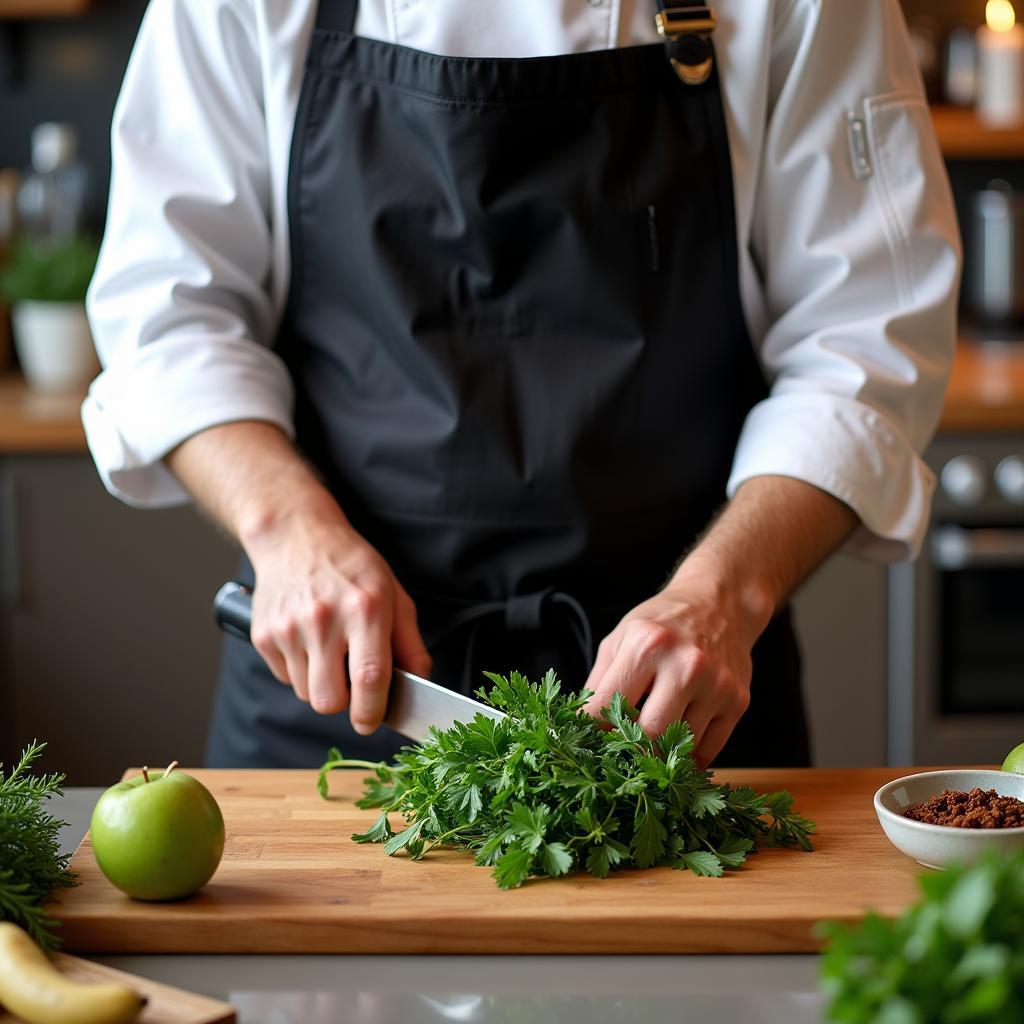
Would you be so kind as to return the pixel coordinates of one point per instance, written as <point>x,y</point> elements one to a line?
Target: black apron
<point>520,360</point>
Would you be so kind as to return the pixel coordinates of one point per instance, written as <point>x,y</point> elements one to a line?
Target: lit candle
<point>1001,66</point>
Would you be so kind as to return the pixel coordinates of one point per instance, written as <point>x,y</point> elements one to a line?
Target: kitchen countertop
<point>316,989</point>
<point>33,423</point>
<point>986,394</point>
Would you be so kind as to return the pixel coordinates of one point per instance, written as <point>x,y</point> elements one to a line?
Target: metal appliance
<point>994,264</point>
<point>956,616</point>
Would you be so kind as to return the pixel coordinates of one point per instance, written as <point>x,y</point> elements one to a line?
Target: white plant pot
<point>54,346</point>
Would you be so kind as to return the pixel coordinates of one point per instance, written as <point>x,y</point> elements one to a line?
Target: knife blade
<point>414,704</point>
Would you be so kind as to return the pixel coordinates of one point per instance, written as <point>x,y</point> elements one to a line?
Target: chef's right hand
<point>329,616</point>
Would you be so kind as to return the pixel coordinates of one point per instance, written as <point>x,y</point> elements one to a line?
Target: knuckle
<point>651,639</point>
<point>741,700</point>
<point>724,698</point>
<point>404,603</point>
<point>328,701</point>
<point>362,603</point>
<point>656,725</point>
<point>285,630</point>
<point>698,661</point>
<point>370,677</point>
<point>263,640</point>
<point>317,615</point>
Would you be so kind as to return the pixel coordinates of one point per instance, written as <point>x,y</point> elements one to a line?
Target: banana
<point>33,990</point>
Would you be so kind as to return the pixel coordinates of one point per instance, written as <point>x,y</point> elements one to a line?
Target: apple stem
<point>170,768</point>
<point>145,773</point>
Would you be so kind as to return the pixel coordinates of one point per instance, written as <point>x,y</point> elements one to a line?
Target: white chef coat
<point>849,268</point>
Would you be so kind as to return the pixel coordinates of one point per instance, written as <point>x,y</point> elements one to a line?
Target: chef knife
<point>414,704</point>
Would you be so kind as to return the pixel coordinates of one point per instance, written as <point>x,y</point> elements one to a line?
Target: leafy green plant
<point>46,271</point>
<point>31,865</point>
<point>547,791</point>
<point>955,957</point>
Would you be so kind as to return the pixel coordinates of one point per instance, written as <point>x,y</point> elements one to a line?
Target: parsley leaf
<point>555,859</point>
<point>512,867</point>
<point>380,832</point>
<point>547,791</point>
<point>649,838</point>
<point>702,863</point>
<point>953,956</point>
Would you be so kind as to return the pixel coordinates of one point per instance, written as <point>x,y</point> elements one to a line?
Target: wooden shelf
<point>43,8</point>
<point>33,423</point>
<point>963,136</point>
<point>986,392</point>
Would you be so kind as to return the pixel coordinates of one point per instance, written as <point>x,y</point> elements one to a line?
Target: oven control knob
<point>965,480</point>
<point>1010,479</point>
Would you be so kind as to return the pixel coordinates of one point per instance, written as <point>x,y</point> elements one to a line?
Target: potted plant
<point>45,282</point>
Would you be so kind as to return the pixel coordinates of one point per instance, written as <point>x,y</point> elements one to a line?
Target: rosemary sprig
<point>31,865</point>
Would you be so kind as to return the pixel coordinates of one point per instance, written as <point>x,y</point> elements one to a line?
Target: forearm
<point>773,534</point>
<point>251,479</point>
<point>328,613</point>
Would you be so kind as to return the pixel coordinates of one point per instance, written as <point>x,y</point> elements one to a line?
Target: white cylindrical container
<point>54,346</point>
<point>1001,67</point>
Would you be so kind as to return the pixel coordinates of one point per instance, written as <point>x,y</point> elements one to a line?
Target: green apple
<point>1015,760</point>
<point>158,837</point>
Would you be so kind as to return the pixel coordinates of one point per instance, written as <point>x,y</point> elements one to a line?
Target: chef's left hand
<point>688,647</point>
<point>688,650</point>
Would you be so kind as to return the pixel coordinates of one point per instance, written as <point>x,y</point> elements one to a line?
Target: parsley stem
<point>348,763</point>
<point>441,838</point>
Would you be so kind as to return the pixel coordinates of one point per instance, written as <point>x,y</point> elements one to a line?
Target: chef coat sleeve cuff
<point>138,411</point>
<point>849,450</point>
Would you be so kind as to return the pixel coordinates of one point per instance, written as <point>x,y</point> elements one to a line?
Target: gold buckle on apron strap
<point>688,30</point>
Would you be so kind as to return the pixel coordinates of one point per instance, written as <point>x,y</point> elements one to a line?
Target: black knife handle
<point>232,608</point>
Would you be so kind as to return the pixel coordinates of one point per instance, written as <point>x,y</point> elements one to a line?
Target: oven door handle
<point>953,547</point>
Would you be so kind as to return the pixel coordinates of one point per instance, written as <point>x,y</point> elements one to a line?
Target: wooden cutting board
<point>292,881</point>
<point>166,1005</point>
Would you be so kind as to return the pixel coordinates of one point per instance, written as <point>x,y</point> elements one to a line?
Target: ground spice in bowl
<point>979,808</point>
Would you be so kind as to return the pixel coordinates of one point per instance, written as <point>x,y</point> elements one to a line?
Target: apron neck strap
<point>686,26</point>
<point>337,15</point>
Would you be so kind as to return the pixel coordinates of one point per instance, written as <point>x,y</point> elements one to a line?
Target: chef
<point>524,333</point>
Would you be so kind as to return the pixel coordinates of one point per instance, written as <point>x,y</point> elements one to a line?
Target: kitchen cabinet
<point>841,620</point>
<point>108,649</point>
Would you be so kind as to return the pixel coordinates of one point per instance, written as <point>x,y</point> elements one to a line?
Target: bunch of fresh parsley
<point>546,791</point>
<point>31,865</point>
<point>956,957</point>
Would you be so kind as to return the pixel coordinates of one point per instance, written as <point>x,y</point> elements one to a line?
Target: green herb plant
<point>546,791</point>
<point>955,957</point>
<point>42,270</point>
<point>31,865</point>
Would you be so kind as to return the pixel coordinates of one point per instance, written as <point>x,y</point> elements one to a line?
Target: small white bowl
<point>935,846</point>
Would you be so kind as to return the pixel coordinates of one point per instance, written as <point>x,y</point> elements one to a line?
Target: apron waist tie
<point>520,612</point>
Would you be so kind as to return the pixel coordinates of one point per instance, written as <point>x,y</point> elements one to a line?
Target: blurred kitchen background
<point>107,646</point>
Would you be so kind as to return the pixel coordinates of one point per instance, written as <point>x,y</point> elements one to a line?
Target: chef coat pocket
<point>909,179</point>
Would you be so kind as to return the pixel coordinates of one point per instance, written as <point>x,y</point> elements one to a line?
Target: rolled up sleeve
<point>859,263</point>
<point>179,306</point>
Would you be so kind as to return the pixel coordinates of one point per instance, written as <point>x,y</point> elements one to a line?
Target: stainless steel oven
<point>956,617</point>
